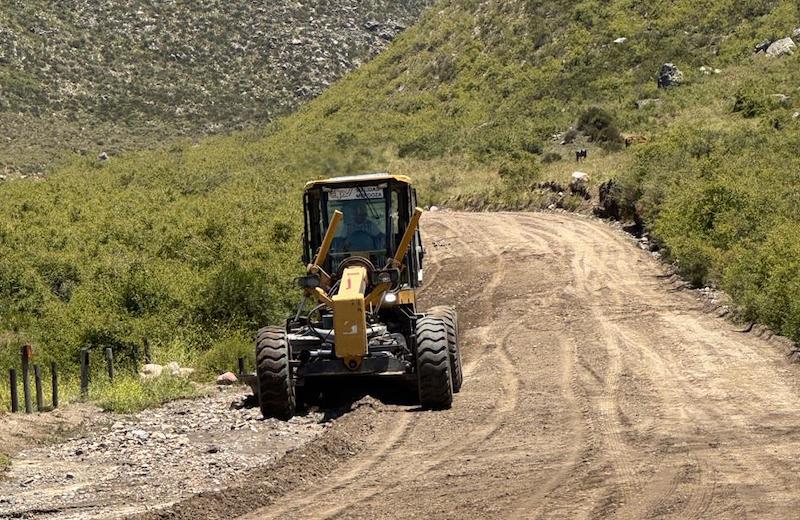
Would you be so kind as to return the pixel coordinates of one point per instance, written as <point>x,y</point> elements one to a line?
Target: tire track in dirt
<point>509,383</point>
<point>505,404</point>
<point>592,391</point>
<point>394,439</point>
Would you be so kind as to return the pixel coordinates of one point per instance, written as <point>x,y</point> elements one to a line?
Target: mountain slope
<point>111,75</point>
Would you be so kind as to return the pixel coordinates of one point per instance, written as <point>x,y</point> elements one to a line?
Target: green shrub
<point>551,157</point>
<point>519,174</point>
<point>599,126</point>
<point>223,356</point>
<point>749,105</point>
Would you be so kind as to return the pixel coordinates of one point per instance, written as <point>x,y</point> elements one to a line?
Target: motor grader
<point>358,318</point>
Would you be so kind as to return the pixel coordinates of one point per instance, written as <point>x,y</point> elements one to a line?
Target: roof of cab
<point>368,177</point>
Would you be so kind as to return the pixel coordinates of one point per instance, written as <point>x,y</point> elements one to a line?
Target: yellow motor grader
<point>358,316</point>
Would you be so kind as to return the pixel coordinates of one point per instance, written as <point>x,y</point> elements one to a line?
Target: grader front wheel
<point>275,383</point>
<point>434,377</point>
<point>450,318</point>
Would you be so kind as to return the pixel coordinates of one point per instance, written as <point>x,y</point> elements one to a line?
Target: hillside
<point>194,245</point>
<point>111,75</point>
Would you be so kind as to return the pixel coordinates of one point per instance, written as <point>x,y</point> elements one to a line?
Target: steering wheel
<point>356,261</point>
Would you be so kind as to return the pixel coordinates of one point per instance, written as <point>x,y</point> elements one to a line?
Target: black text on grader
<point>362,233</point>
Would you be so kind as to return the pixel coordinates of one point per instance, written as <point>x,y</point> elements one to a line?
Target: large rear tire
<point>434,379</point>
<point>275,382</point>
<point>450,318</point>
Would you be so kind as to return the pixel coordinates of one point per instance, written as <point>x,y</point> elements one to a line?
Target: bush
<point>223,356</point>
<point>551,157</point>
<point>599,126</point>
<point>749,105</point>
<point>241,295</point>
<point>519,174</point>
<point>766,280</point>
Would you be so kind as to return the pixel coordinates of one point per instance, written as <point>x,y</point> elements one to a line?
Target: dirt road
<point>592,390</point>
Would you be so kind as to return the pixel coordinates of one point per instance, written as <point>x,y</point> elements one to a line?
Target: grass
<point>194,245</point>
<point>127,394</point>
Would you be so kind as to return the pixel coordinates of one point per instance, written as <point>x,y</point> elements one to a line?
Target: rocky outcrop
<point>781,48</point>
<point>669,76</point>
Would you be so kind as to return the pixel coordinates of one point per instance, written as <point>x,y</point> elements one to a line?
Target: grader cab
<point>358,316</point>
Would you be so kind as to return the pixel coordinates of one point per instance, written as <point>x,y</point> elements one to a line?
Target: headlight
<point>387,276</point>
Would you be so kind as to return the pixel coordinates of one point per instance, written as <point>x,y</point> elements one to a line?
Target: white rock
<point>781,48</point>
<point>228,378</point>
<point>669,75</point>
<point>186,373</point>
<point>139,435</point>
<point>621,40</point>
<point>434,208</point>
<point>174,369</point>
<point>579,177</point>
<point>151,371</point>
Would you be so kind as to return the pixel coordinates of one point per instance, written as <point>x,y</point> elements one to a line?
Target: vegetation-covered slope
<point>194,246</point>
<point>110,75</point>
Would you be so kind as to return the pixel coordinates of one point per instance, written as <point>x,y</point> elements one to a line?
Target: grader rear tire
<point>275,383</point>
<point>450,318</point>
<point>434,379</point>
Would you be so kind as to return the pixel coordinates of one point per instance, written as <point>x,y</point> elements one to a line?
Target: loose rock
<point>151,371</point>
<point>173,452</point>
<point>782,47</point>
<point>669,76</point>
<point>644,103</point>
<point>226,379</point>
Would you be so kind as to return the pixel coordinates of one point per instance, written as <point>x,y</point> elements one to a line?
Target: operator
<point>362,233</point>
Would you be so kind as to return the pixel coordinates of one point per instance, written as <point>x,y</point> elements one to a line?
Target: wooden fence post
<point>110,363</point>
<point>84,373</point>
<point>37,377</point>
<point>54,375</point>
<point>27,352</point>
<point>14,397</point>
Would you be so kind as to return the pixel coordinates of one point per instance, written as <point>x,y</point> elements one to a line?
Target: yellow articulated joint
<point>350,317</point>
